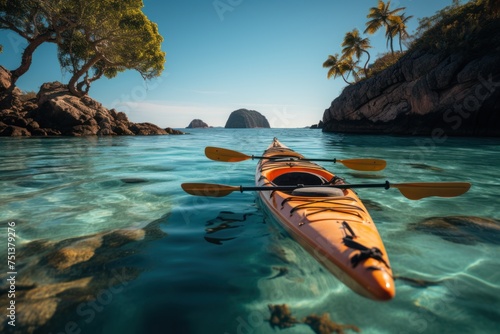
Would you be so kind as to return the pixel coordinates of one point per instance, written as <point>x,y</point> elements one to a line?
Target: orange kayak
<point>332,224</point>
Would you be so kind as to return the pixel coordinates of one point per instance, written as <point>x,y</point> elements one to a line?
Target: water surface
<point>223,260</point>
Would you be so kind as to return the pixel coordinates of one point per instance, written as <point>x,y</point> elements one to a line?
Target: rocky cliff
<point>54,111</point>
<point>427,92</point>
<point>243,118</point>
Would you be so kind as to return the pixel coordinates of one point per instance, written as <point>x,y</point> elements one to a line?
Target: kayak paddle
<point>222,154</point>
<point>413,190</point>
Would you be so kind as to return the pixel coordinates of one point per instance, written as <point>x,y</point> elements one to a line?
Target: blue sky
<point>223,55</point>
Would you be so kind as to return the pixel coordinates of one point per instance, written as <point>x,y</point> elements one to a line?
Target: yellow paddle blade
<point>364,164</point>
<point>418,190</point>
<point>208,189</point>
<point>222,154</point>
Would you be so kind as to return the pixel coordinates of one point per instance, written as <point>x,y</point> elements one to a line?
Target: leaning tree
<point>93,37</point>
<point>37,21</point>
<point>114,36</point>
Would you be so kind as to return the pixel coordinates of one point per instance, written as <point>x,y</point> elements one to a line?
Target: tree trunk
<point>28,57</point>
<point>366,64</point>
<point>345,80</point>
<point>73,85</point>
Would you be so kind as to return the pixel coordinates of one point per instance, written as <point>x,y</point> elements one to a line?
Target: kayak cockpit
<point>310,184</point>
<point>295,178</point>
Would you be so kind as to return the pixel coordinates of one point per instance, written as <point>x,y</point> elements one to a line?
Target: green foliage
<point>94,37</point>
<point>342,66</point>
<point>384,61</point>
<point>383,16</point>
<point>473,26</point>
<point>354,46</point>
<point>30,18</point>
<point>459,26</point>
<point>113,36</point>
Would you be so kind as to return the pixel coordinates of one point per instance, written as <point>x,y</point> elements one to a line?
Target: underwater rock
<point>34,314</point>
<point>323,325</point>
<point>122,237</point>
<point>53,290</point>
<point>461,229</point>
<point>417,282</point>
<point>56,277</point>
<point>133,180</point>
<point>282,271</point>
<point>80,251</point>
<point>372,205</point>
<point>426,167</point>
<point>281,316</point>
<point>153,230</point>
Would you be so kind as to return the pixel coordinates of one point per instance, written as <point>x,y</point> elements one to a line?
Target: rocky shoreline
<point>450,87</point>
<point>55,112</point>
<point>424,94</point>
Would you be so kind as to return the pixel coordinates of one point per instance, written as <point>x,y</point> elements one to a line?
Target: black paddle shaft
<point>292,158</point>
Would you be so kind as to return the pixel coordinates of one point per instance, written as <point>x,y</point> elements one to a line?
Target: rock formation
<point>54,111</point>
<point>461,229</point>
<point>57,278</point>
<point>243,118</point>
<point>197,123</point>
<point>437,92</point>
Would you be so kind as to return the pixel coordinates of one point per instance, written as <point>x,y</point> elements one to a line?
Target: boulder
<point>4,78</point>
<point>244,118</point>
<point>56,112</point>
<point>171,131</point>
<point>197,123</point>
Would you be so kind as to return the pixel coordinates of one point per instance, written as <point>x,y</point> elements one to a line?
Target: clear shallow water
<point>196,280</point>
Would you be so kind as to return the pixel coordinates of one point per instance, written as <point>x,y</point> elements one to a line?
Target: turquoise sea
<point>184,264</point>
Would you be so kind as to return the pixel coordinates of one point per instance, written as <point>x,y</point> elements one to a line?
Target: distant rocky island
<point>445,85</point>
<point>244,118</point>
<point>54,111</point>
<point>197,123</point>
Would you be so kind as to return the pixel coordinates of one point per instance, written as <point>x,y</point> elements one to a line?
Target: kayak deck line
<point>338,206</point>
<point>270,164</point>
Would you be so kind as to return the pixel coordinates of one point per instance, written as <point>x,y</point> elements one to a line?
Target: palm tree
<point>354,45</point>
<point>338,66</point>
<point>399,26</point>
<point>381,16</point>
